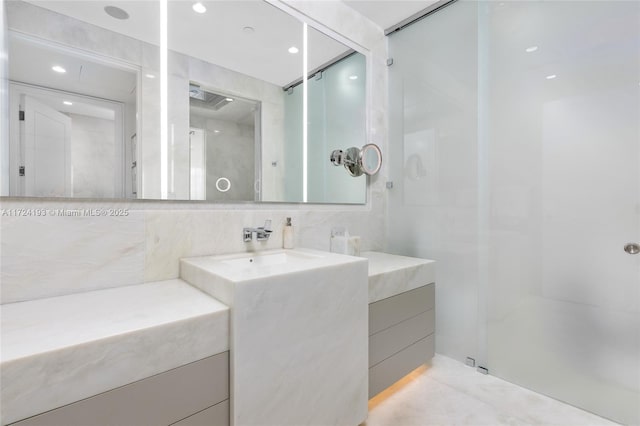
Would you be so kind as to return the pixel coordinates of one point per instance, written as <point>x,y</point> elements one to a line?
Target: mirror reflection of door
<point>46,143</point>
<point>72,118</point>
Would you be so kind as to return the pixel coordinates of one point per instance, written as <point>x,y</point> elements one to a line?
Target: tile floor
<point>449,393</point>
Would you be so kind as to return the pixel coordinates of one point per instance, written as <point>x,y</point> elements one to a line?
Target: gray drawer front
<point>393,310</point>
<point>399,365</point>
<point>156,401</point>
<point>218,415</point>
<point>391,340</point>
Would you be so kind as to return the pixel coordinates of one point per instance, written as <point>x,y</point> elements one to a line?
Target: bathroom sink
<point>269,258</point>
<point>215,274</point>
<point>298,329</point>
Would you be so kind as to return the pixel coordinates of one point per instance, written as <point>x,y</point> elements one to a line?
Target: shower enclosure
<point>515,157</point>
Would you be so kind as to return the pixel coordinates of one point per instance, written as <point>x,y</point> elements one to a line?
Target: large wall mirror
<point>218,101</point>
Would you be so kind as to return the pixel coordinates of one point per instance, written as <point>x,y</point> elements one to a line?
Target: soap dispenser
<point>287,235</point>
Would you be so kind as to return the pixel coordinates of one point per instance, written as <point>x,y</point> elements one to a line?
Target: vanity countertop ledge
<point>132,332</point>
<point>63,349</point>
<point>390,274</point>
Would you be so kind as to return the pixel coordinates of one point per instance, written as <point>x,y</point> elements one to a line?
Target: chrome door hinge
<point>21,171</point>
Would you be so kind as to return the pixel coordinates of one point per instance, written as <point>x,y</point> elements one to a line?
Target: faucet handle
<point>267,225</point>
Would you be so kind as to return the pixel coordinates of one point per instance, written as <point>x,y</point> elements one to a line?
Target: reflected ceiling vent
<point>204,99</point>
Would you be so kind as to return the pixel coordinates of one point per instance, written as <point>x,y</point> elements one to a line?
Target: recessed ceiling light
<point>150,76</point>
<point>199,8</point>
<point>116,12</point>
<point>353,77</point>
<point>248,30</point>
<point>58,68</point>
<point>67,103</point>
<point>531,49</point>
<point>216,131</point>
<point>293,49</point>
<point>551,77</point>
<point>229,99</point>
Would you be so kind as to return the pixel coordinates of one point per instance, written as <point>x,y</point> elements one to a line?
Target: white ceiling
<point>31,63</point>
<point>386,13</point>
<point>216,36</point>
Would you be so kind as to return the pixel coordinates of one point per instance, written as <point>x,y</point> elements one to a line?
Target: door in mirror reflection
<point>68,136</point>
<point>45,140</point>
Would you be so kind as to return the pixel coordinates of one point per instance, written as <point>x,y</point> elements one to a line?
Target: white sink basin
<point>269,258</point>
<point>217,275</point>
<point>298,333</point>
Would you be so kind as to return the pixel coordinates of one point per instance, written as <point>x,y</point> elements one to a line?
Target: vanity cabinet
<point>401,317</point>
<point>401,336</point>
<point>193,394</point>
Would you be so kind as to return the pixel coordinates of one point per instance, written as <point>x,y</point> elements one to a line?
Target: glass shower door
<point>515,156</point>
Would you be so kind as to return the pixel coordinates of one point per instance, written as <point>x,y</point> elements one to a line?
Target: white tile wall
<point>50,256</point>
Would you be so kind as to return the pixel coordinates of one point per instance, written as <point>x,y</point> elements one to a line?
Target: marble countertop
<point>62,349</point>
<point>390,274</point>
<point>59,350</point>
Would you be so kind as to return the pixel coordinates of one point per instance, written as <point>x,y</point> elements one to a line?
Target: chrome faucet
<point>262,233</point>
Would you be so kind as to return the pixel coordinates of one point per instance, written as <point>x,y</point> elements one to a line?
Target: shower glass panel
<point>515,138</point>
<point>433,206</point>
<point>336,120</point>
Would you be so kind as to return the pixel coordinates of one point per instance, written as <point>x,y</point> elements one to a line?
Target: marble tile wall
<point>54,255</point>
<point>228,146</point>
<point>47,256</point>
<point>50,256</point>
<point>92,145</point>
<point>176,234</point>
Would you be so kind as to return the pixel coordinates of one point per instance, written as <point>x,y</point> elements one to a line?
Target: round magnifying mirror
<point>370,159</point>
